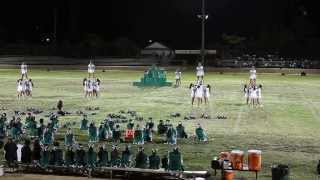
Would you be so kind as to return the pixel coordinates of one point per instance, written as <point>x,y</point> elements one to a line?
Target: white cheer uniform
<point>259,93</point>
<point>246,92</point>
<point>90,86</point>
<point>199,91</point>
<point>193,90</point>
<point>178,75</point>
<point>253,74</point>
<point>24,69</point>
<point>20,86</point>
<point>85,85</point>
<point>253,94</point>
<point>206,92</point>
<point>200,71</point>
<point>91,68</point>
<point>96,86</point>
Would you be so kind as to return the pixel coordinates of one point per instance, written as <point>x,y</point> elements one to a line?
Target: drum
<point>228,175</point>
<point>254,160</point>
<point>236,158</point>
<point>224,155</point>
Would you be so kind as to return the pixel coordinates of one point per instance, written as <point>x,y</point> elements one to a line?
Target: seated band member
<point>141,159</point>
<point>92,132</point>
<point>103,156</point>
<point>116,134</point>
<point>45,154</point>
<point>91,157</point>
<point>126,157</point>
<point>81,160</point>
<point>10,149</point>
<point>138,136</point>
<point>171,135</point>
<point>102,132</point>
<point>181,131</point>
<point>69,157</point>
<point>115,159</point>
<point>69,138</point>
<point>47,136</point>
<point>26,153</point>
<point>161,127</point>
<point>56,155</point>
<point>84,123</point>
<point>3,121</point>
<point>175,160</point>
<point>201,134</point>
<point>154,160</point>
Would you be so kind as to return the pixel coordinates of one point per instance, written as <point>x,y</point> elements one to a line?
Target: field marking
<point>238,120</point>
<point>310,105</point>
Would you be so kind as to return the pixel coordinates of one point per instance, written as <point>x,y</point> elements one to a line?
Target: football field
<point>286,129</point>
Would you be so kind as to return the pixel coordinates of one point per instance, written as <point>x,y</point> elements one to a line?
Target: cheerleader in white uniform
<point>85,85</point>
<point>246,93</point>
<point>24,87</point>
<point>259,94</point>
<point>29,86</point>
<point>20,88</point>
<point>96,87</point>
<point>206,93</point>
<point>178,77</point>
<point>199,93</point>
<point>253,75</point>
<point>253,95</point>
<point>24,70</point>
<point>91,69</point>
<point>200,71</point>
<point>193,89</point>
<point>89,88</point>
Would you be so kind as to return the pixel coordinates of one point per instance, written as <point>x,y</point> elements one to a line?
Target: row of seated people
<point>107,130</point>
<point>137,134</point>
<point>45,157</point>
<point>31,128</point>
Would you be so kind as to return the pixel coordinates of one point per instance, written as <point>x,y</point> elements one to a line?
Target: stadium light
<point>203,18</point>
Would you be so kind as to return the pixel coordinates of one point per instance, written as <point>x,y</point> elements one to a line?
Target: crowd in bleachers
<point>267,61</point>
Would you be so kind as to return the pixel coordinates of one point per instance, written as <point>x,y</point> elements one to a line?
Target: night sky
<point>170,21</point>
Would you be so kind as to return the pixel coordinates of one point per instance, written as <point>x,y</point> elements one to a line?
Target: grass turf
<point>286,128</point>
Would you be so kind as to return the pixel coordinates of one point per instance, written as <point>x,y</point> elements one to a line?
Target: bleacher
<point>107,172</point>
<point>267,61</point>
<point>56,60</point>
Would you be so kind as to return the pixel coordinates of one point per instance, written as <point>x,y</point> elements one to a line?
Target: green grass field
<point>286,128</point>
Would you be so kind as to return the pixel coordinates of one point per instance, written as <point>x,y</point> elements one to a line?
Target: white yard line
<point>310,104</point>
<point>238,120</point>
